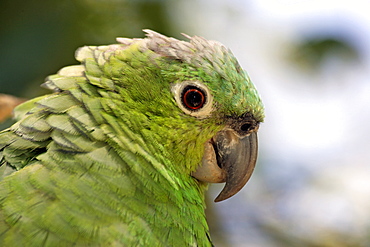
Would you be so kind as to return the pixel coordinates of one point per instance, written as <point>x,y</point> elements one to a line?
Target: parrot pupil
<point>193,98</point>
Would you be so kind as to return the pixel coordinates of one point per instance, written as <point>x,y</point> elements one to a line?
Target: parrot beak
<point>228,158</point>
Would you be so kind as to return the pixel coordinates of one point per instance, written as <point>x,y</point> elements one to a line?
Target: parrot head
<point>197,106</point>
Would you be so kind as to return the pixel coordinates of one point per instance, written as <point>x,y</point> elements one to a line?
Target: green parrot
<point>120,154</point>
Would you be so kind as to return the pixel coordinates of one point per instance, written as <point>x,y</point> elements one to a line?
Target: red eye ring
<point>193,98</point>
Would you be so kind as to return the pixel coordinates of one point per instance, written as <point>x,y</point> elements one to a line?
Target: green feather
<point>106,159</point>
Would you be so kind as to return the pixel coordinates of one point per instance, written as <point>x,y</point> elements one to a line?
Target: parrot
<point>123,148</point>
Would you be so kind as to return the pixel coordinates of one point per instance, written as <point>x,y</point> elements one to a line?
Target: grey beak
<point>228,158</point>
<point>237,157</point>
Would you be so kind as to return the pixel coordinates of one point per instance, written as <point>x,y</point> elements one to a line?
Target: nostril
<point>243,125</point>
<point>246,127</point>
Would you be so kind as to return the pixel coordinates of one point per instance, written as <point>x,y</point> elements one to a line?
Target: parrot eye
<point>193,98</point>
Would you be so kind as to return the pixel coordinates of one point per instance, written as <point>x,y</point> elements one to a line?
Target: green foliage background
<point>39,37</point>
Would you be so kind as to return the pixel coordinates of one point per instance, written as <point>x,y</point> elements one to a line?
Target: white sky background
<point>314,171</point>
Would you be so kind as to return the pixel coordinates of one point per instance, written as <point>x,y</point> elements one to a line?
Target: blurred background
<point>310,61</point>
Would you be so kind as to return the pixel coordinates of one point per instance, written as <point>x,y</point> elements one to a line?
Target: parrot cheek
<point>228,158</point>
